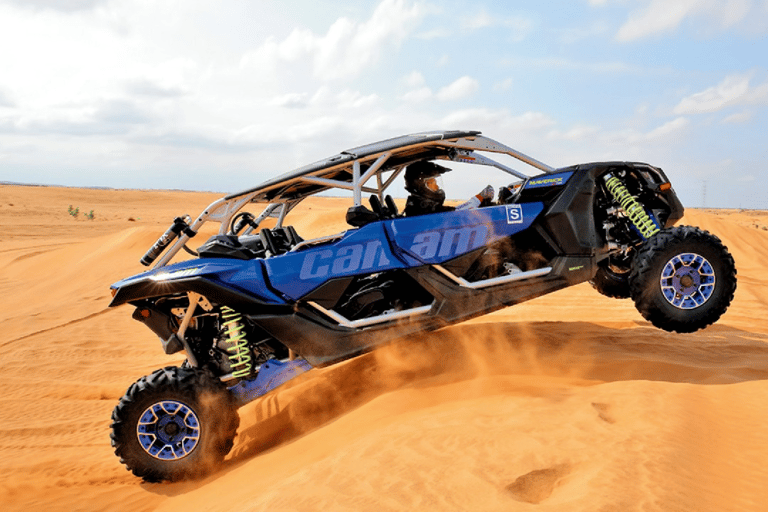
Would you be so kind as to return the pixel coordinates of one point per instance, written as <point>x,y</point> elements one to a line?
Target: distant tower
<point>704,193</point>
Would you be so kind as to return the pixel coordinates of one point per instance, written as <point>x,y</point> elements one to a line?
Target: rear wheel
<point>611,280</point>
<point>174,424</point>
<point>683,279</point>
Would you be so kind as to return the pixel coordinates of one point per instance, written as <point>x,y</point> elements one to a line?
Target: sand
<point>568,402</point>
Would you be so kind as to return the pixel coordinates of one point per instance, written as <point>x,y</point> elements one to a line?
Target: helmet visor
<point>434,184</point>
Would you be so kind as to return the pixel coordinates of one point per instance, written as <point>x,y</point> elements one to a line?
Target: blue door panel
<point>360,251</point>
<point>399,243</point>
<point>440,237</point>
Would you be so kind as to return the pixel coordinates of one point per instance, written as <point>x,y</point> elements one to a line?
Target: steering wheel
<point>241,220</point>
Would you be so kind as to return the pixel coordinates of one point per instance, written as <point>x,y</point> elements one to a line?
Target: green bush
<point>75,211</point>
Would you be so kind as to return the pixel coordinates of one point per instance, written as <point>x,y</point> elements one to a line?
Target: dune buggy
<point>256,306</point>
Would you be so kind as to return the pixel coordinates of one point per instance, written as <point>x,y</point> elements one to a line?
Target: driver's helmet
<point>421,180</point>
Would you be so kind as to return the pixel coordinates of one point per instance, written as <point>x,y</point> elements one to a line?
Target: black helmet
<point>420,180</point>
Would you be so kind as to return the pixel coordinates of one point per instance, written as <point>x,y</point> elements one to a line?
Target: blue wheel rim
<point>687,281</point>
<point>168,430</point>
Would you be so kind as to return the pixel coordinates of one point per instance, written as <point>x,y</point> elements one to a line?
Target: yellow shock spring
<point>634,210</point>
<point>240,358</point>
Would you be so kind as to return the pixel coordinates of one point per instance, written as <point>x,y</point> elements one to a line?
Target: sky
<point>222,95</point>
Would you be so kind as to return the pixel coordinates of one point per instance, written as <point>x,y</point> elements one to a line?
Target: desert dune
<point>569,402</point>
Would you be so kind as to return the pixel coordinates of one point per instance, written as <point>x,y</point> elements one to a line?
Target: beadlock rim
<point>168,430</point>
<point>687,281</point>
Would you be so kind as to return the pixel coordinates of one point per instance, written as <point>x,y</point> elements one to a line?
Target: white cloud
<point>758,95</point>
<point>476,18</point>
<point>58,5</point>
<point>330,99</point>
<point>458,89</point>
<point>348,99</point>
<point>413,79</point>
<point>729,12</point>
<point>503,85</point>
<point>739,117</point>
<point>578,33</point>
<point>5,99</point>
<point>660,16</point>
<point>290,100</point>
<point>668,129</point>
<point>633,139</point>
<point>435,33</point>
<point>481,19</point>
<point>149,87</point>
<point>348,47</point>
<point>568,64</point>
<point>121,112</point>
<point>501,119</point>
<point>730,91</point>
<point>578,132</point>
<point>518,26</point>
<point>417,95</point>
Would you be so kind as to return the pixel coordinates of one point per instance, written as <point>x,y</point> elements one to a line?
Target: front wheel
<point>174,424</point>
<point>683,279</point>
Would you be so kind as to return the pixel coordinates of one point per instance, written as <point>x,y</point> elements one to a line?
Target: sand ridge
<point>568,402</point>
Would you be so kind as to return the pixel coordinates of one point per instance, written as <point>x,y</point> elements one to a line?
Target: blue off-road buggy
<point>257,306</point>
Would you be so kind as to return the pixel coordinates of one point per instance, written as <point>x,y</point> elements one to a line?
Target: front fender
<point>212,278</point>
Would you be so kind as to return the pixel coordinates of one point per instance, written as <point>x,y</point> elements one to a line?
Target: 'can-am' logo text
<point>370,256</point>
<point>450,242</point>
<point>344,260</point>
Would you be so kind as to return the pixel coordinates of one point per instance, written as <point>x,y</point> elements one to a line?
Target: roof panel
<point>342,158</point>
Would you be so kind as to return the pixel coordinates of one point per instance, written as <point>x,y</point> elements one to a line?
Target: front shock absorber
<point>632,207</point>
<point>238,345</point>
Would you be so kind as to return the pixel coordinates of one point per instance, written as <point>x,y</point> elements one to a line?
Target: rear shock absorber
<point>240,355</point>
<point>632,207</point>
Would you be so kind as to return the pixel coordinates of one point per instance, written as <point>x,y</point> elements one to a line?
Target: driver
<point>426,195</point>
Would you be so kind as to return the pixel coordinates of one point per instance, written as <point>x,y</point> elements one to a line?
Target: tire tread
<point>641,279</point>
<point>187,382</point>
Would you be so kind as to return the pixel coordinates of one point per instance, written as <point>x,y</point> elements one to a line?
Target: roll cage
<point>354,170</point>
